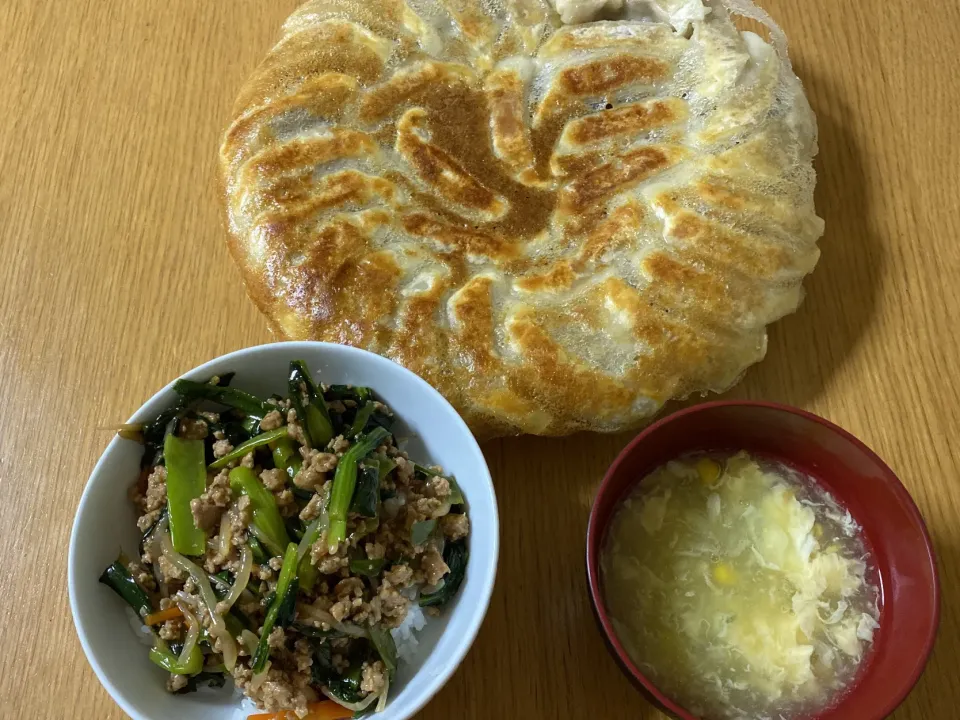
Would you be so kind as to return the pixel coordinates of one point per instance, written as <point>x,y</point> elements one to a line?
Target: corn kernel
<point>724,574</point>
<point>708,470</point>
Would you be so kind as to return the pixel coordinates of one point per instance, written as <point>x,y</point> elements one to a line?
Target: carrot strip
<point>170,613</point>
<point>325,710</point>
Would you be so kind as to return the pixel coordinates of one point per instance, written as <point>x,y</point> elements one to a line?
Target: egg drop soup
<point>740,588</point>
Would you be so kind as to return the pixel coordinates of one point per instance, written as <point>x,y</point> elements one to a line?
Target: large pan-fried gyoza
<point>560,227</point>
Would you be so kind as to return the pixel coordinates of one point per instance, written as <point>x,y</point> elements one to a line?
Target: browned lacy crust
<point>558,226</point>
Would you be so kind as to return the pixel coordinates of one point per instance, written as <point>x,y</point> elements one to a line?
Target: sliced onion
<point>315,613</point>
<point>226,532</point>
<point>382,702</point>
<point>218,628</point>
<point>193,632</point>
<point>356,707</point>
<point>250,641</point>
<point>243,577</point>
<point>257,680</point>
<point>391,506</point>
<point>314,529</point>
<point>350,629</point>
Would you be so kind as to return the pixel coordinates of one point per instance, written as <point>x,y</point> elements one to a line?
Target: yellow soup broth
<point>740,587</point>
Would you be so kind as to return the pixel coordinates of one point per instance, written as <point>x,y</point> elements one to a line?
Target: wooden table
<point>115,278</point>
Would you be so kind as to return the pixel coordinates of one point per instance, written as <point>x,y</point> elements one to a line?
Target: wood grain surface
<point>115,278</point>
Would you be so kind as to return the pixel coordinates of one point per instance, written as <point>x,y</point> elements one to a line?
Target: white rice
<point>143,633</point>
<point>405,634</point>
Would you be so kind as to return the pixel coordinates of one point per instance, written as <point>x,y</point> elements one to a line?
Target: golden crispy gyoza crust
<point>560,227</point>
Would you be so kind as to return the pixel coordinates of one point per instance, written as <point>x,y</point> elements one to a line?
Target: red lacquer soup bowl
<point>892,528</point>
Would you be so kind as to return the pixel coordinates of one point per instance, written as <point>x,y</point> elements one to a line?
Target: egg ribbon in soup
<point>740,587</point>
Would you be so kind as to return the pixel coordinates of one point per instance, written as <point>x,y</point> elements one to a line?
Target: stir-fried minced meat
<point>222,446</point>
<point>393,605</point>
<point>294,428</point>
<point>399,575</point>
<point>152,501</point>
<point>272,420</point>
<point>278,690</point>
<point>374,678</point>
<point>169,571</point>
<point>171,629</point>
<point>405,469</point>
<point>358,569</point>
<point>208,508</point>
<point>144,578</point>
<point>315,467</point>
<point>437,487</point>
<point>433,565</point>
<point>455,526</point>
<point>274,479</point>
<point>313,508</point>
<point>193,429</point>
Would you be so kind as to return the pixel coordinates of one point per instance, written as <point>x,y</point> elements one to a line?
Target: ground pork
<point>368,612</point>
<point>437,487</point>
<point>247,460</point>
<point>344,608</point>
<point>280,690</point>
<point>155,497</point>
<point>221,446</point>
<point>351,587</point>
<point>171,629</point>
<point>374,678</point>
<point>168,570</point>
<point>144,578</point>
<point>393,605</point>
<point>375,551</point>
<point>277,638</point>
<point>274,480</point>
<point>240,517</point>
<point>433,565</point>
<point>316,465</point>
<point>264,572</point>
<point>426,508</point>
<point>286,503</point>
<point>399,575</point>
<point>394,536</point>
<point>405,469</point>
<point>455,526</point>
<point>326,563</point>
<point>313,509</point>
<point>191,429</point>
<point>208,508</point>
<point>294,429</point>
<point>339,444</point>
<point>272,420</point>
<point>303,655</point>
<point>176,682</point>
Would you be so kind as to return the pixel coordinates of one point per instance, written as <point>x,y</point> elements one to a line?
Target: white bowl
<point>106,521</point>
